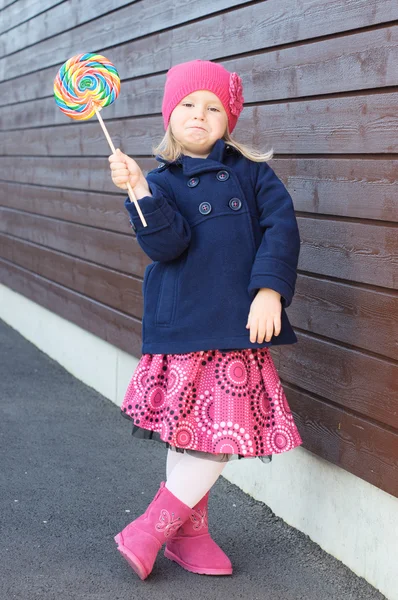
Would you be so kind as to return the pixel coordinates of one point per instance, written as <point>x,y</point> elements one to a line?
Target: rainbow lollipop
<point>83,86</point>
<point>84,83</point>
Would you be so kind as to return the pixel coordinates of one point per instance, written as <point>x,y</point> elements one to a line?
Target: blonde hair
<point>170,149</point>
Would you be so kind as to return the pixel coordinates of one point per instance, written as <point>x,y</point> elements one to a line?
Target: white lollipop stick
<point>129,188</point>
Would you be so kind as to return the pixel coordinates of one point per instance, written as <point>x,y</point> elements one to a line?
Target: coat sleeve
<point>167,233</point>
<point>276,260</point>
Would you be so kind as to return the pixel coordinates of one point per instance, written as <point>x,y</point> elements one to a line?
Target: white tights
<point>189,477</point>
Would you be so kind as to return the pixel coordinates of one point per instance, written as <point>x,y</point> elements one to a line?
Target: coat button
<point>222,175</point>
<point>193,182</point>
<point>205,208</point>
<point>235,203</point>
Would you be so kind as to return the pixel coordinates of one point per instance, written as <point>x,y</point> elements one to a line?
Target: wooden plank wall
<point>320,81</point>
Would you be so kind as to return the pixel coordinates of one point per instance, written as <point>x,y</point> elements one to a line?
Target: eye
<point>216,109</point>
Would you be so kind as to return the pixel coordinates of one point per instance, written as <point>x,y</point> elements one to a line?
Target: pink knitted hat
<point>185,78</point>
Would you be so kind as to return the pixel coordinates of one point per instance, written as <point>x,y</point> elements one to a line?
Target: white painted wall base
<point>348,517</point>
<point>105,368</point>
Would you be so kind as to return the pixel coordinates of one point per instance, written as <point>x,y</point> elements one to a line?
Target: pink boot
<point>193,548</point>
<point>140,541</point>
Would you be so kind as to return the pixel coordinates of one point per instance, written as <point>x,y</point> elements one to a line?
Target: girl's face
<point>198,121</point>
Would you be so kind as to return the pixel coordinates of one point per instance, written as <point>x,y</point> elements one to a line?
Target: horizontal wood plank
<point>119,329</point>
<point>257,27</point>
<point>281,74</point>
<point>306,70</point>
<point>109,287</point>
<point>352,251</point>
<point>358,445</point>
<point>80,173</point>
<point>358,124</point>
<point>319,362</point>
<point>320,83</point>
<point>138,21</point>
<point>364,318</point>
<point>360,188</point>
<point>347,377</point>
<point>35,20</point>
<point>260,26</point>
<point>95,209</point>
<point>14,13</point>
<point>364,448</point>
<point>106,248</point>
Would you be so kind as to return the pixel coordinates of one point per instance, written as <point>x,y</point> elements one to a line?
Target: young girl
<point>223,237</point>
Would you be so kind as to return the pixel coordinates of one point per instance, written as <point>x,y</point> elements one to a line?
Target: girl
<point>223,237</point>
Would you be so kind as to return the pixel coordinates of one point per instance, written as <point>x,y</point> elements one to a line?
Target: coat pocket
<point>167,299</point>
<point>147,272</point>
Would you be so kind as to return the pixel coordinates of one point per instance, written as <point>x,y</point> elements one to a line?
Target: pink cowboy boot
<point>193,548</point>
<point>140,541</point>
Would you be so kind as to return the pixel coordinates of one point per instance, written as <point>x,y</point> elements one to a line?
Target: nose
<point>199,113</point>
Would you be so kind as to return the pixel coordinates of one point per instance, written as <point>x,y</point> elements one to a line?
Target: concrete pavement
<point>70,471</point>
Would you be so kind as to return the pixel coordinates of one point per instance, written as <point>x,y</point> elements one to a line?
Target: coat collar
<point>192,166</point>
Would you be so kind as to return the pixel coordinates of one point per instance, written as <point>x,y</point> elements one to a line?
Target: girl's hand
<point>125,169</point>
<point>264,317</point>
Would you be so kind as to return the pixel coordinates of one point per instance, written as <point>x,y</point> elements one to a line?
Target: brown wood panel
<point>358,445</point>
<point>367,365</point>
<point>44,19</point>
<point>14,13</point>
<point>115,327</point>
<point>319,78</point>
<point>281,74</point>
<point>354,315</point>
<point>348,187</point>
<point>109,287</point>
<point>260,26</point>
<point>363,318</point>
<point>347,377</point>
<point>364,188</point>
<point>353,251</point>
<point>146,17</point>
<point>83,138</point>
<point>255,27</point>
<point>327,247</point>
<point>305,70</point>
<point>106,248</point>
<point>104,211</point>
<point>358,124</point>
<point>75,173</point>
<point>27,87</point>
<point>364,448</point>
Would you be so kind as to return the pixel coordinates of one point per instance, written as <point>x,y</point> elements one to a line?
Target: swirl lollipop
<point>83,86</point>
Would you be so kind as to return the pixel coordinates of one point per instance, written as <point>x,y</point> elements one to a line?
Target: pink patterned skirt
<point>217,404</point>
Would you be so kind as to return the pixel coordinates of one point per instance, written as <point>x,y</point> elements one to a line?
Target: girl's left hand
<point>264,318</point>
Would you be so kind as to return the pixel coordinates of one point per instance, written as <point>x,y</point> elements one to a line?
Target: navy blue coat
<point>218,229</point>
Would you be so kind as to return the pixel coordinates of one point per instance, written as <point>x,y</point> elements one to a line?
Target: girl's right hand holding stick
<point>124,169</point>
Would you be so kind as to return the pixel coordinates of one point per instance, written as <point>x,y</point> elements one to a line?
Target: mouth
<point>197,127</point>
